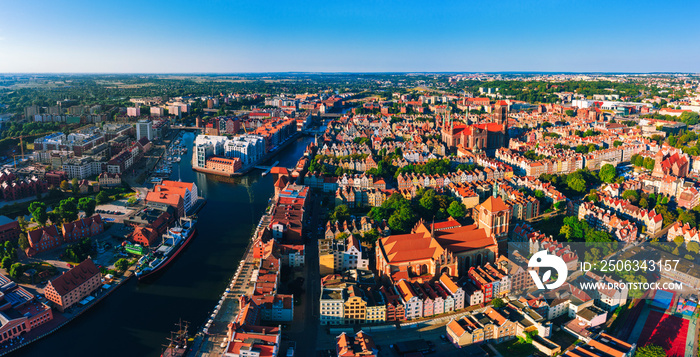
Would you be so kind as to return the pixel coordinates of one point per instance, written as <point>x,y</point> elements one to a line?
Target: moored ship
<point>174,241</point>
<point>179,341</point>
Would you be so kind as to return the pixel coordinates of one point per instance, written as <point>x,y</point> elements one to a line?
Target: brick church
<point>478,137</point>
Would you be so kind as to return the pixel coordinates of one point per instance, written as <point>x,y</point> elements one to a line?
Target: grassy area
<point>515,348</point>
<point>39,267</point>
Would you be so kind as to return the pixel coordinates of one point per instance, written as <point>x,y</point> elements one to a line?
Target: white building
<point>348,255</point>
<point>332,310</point>
<point>248,148</point>
<point>133,111</point>
<point>80,168</point>
<point>144,128</point>
<point>157,111</point>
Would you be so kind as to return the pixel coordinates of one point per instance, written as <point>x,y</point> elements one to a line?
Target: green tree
<point>371,236</point>
<point>102,197</point>
<point>693,247</point>
<point>402,220</point>
<point>631,195</point>
<point>6,263</point>
<point>559,205</point>
<point>687,217</point>
<point>679,240</point>
<point>428,202</point>
<point>457,210</point>
<point>576,183</point>
<point>341,213</point>
<point>87,204</point>
<point>643,203</point>
<point>74,185</point>
<point>650,350</point>
<point>539,194</point>
<point>598,236</point>
<point>122,264</point>
<point>68,209</point>
<point>607,173</point>
<point>617,143</point>
<point>569,112</point>
<point>38,212</point>
<point>23,241</point>
<point>64,185</point>
<point>16,270</point>
<point>649,163</point>
<point>498,303</point>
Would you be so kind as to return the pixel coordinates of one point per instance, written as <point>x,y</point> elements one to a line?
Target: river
<point>136,319</point>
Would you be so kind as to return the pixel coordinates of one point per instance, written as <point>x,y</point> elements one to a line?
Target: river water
<point>136,319</point>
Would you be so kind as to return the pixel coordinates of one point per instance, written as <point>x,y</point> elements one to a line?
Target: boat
<point>178,341</point>
<point>174,241</point>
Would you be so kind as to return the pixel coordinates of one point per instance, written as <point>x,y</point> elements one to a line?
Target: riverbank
<point>62,319</point>
<point>245,170</point>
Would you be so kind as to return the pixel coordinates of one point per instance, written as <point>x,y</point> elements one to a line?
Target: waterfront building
<point>247,148</point>
<point>275,307</point>
<point>21,312</point>
<point>74,285</point>
<point>149,224</point>
<point>187,190</point>
<point>160,198</point>
<point>224,165</point>
<point>252,341</point>
<point>376,306</point>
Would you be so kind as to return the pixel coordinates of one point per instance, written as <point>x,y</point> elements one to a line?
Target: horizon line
<point>349,72</point>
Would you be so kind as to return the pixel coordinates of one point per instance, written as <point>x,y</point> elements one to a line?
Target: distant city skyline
<point>364,36</point>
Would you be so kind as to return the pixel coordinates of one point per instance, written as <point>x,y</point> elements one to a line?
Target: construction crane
<point>21,145</point>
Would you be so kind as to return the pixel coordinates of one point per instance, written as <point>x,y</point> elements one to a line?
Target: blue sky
<point>348,36</point>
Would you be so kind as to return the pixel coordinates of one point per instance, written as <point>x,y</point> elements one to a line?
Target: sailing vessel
<point>174,241</point>
<point>178,341</point>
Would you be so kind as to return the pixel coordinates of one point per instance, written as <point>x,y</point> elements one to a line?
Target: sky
<point>227,36</point>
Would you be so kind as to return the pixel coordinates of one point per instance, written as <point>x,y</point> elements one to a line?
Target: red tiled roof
<point>74,277</point>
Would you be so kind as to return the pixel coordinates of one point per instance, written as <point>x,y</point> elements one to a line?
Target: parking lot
<point>115,211</point>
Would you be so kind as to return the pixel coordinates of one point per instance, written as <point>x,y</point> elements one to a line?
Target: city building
<point>74,285</point>
<point>43,239</point>
<point>361,345</point>
<point>21,312</point>
<point>144,128</point>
